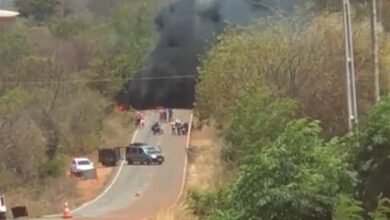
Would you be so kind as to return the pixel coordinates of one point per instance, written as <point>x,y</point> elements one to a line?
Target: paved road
<point>159,185</point>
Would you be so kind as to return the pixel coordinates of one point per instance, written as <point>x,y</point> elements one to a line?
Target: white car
<point>81,164</point>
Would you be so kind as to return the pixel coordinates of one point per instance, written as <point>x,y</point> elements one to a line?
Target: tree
<point>222,75</point>
<point>374,156</point>
<point>39,10</point>
<point>297,177</point>
<point>124,46</point>
<point>257,120</point>
<point>22,142</point>
<point>15,46</point>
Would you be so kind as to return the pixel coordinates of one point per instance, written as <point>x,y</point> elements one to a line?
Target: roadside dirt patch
<point>90,188</point>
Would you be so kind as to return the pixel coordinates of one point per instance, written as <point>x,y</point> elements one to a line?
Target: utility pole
<point>374,48</point>
<point>349,66</point>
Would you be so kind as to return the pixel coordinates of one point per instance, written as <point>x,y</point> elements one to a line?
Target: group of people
<point>166,114</point>
<point>179,128</point>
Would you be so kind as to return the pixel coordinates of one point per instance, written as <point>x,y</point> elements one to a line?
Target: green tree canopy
<point>297,177</point>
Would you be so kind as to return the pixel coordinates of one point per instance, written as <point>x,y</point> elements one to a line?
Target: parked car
<point>81,164</point>
<point>3,208</point>
<point>109,156</point>
<point>143,153</point>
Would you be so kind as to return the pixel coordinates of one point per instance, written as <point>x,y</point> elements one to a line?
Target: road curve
<point>158,185</point>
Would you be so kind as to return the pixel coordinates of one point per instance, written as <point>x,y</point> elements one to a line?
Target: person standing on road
<point>137,119</point>
<point>167,115</point>
<point>185,128</point>
<point>173,127</point>
<point>161,113</point>
<point>164,115</point>
<point>170,114</point>
<point>142,122</point>
<point>178,127</point>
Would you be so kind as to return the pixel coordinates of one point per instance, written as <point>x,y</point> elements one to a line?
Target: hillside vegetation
<point>276,93</point>
<point>62,63</point>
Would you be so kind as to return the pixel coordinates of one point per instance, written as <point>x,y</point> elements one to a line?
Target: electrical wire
<point>151,78</point>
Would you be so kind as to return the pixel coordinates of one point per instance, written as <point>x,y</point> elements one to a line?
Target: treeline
<point>60,71</point>
<point>276,92</point>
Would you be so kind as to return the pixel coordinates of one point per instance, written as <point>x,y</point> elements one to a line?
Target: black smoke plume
<point>187,29</point>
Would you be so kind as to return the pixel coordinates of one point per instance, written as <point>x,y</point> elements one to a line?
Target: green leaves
<point>208,203</point>
<point>383,209</point>
<point>297,176</point>
<point>252,83</point>
<point>375,152</point>
<point>378,129</point>
<point>255,121</point>
<point>347,208</point>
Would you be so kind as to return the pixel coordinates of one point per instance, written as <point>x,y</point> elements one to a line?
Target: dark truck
<point>109,156</point>
<point>143,153</point>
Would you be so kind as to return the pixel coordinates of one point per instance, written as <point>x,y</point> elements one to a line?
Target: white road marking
<point>111,184</point>
<point>185,163</point>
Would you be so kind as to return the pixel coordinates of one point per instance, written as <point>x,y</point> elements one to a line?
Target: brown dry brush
<point>313,71</point>
<point>45,117</point>
<point>306,65</point>
<point>41,120</point>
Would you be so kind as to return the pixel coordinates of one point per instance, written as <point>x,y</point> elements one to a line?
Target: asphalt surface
<point>158,186</point>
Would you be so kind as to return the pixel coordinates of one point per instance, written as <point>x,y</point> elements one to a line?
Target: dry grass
<point>205,172</point>
<point>42,197</point>
<point>179,213</point>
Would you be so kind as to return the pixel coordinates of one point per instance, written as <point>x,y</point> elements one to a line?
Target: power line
<point>77,81</point>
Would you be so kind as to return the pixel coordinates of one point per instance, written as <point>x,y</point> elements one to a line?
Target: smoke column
<point>187,29</point>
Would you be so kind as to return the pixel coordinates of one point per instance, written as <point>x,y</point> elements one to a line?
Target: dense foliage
<point>374,157</point>
<point>276,95</point>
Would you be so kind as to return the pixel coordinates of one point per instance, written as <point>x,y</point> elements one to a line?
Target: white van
<point>3,208</point>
